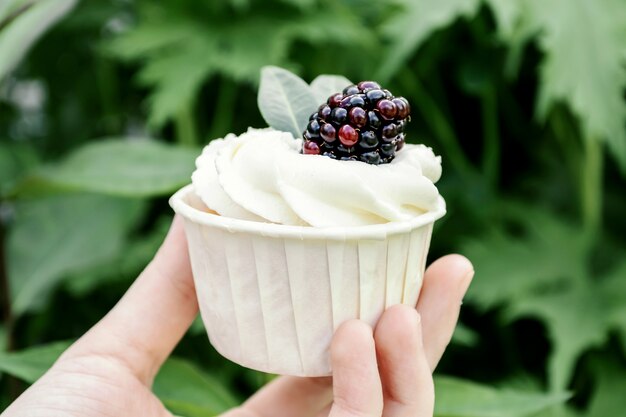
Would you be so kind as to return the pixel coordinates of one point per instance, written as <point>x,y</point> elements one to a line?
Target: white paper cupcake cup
<point>271,296</point>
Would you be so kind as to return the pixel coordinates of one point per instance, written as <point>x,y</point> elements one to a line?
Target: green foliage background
<point>104,106</point>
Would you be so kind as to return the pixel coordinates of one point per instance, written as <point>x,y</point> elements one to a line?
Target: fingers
<point>405,373</point>
<point>147,323</point>
<point>445,284</point>
<point>356,383</point>
<point>291,396</point>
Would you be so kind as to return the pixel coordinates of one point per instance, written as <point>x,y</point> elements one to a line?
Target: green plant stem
<point>186,133</point>
<point>437,122</point>
<point>513,60</point>
<point>592,188</point>
<point>565,135</point>
<point>491,140</point>
<point>586,164</point>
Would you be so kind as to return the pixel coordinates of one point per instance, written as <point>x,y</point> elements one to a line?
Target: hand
<point>109,371</point>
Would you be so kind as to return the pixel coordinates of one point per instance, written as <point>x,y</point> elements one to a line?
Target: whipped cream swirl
<point>261,176</point>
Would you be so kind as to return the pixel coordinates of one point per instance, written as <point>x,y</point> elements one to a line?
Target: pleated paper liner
<point>271,295</point>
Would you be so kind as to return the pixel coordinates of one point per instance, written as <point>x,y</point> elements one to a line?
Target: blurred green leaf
<point>558,411</point>
<point>514,30</point>
<point>181,51</point>
<point>89,15</point>
<point>177,77</point>
<point>240,5</point>
<point>186,390</point>
<point>544,275</point>
<point>54,236</point>
<point>135,254</point>
<point>577,318</point>
<point>15,160</point>
<point>411,27</point>
<point>608,397</point>
<point>30,364</point>
<point>614,295</point>
<point>9,7</point>
<point>510,267</point>
<point>122,167</point>
<point>303,4</point>
<point>590,77</point>
<point>179,54</point>
<point>147,39</point>
<point>584,48</point>
<point>460,398</point>
<point>508,15</point>
<point>337,27</point>
<point>22,31</point>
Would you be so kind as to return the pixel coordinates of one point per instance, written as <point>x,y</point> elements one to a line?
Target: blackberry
<point>313,127</point>
<point>358,117</point>
<point>368,140</point>
<point>348,136</point>
<point>328,132</point>
<point>364,122</point>
<point>374,120</point>
<point>374,95</point>
<point>311,148</point>
<point>338,116</point>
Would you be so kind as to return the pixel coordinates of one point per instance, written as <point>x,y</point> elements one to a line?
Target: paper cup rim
<point>373,232</point>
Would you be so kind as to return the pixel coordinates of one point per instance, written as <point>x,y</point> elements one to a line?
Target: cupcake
<point>291,235</point>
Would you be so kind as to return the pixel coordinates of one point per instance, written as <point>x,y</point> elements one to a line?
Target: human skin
<point>381,372</point>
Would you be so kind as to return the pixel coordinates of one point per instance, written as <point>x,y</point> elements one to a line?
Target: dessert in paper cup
<point>291,234</point>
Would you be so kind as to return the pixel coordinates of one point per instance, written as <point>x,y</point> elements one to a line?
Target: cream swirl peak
<point>262,176</point>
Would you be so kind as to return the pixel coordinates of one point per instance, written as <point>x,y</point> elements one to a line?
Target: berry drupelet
<point>363,123</point>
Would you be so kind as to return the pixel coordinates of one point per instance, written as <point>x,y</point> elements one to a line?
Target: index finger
<point>445,283</point>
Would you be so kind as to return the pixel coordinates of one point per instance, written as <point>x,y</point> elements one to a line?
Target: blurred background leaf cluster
<point>104,106</point>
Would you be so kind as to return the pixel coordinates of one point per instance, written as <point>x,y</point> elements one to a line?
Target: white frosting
<point>261,176</point>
